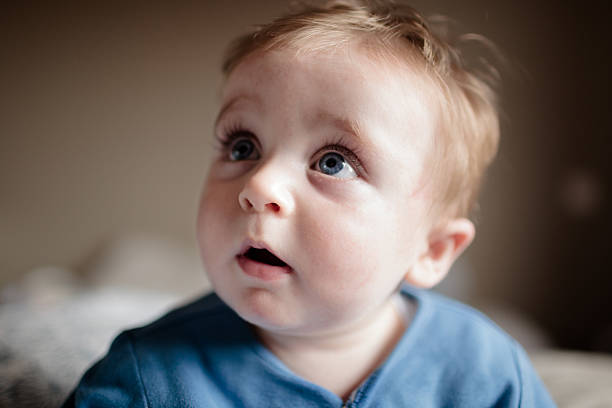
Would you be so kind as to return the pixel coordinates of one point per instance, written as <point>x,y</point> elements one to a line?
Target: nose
<point>267,190</point>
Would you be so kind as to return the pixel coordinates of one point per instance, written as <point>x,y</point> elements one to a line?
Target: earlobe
<point>445,244</point>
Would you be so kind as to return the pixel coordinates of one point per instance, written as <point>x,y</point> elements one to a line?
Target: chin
<point>263,309</point>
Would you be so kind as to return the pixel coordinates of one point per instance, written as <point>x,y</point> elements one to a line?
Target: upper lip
<point>251,243</point>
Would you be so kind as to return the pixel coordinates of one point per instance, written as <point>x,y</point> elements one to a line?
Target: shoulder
<point>201,314</point>
<point>186,333</point>
<point>115,380</point>
<point>153,362</point>
<point>470,355</point>
<point>448,318</point>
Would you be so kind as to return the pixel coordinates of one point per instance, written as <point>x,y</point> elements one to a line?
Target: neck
<point>323,359</point>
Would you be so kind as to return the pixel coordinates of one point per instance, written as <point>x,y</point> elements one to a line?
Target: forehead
<point>351,68</point>
<point>348,87</point>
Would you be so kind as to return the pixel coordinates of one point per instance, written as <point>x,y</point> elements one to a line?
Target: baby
<point>351,144</point>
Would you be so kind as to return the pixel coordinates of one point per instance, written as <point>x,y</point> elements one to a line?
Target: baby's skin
<point>319,204</point>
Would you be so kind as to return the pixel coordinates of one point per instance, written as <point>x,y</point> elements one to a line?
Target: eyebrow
<point>352,127</point>
<point>254,99</point>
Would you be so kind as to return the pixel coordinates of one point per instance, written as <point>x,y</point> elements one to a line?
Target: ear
<point>444,245</point>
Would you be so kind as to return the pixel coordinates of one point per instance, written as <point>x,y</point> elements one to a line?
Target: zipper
<point>349,401</point>
<point>357,395</point>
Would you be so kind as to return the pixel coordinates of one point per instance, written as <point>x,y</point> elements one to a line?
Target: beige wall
<point>106,121</point>
<point>106,126</point>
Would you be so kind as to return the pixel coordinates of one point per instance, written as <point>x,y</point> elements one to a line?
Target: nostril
<point>273,207</point>
<point>260,200</point>
<point>245,203</point>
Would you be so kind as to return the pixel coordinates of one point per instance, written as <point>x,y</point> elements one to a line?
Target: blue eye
<point>334,164</point>
<point>243,149</point>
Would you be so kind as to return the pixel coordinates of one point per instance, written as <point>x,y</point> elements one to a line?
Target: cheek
<point>361,251</point>
<point>349,248</point>
<point>215,210</point>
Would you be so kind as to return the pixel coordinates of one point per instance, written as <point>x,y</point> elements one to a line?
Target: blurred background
<point>105,132</point>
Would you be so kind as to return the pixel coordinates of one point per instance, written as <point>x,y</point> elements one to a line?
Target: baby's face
<point>321,164</point>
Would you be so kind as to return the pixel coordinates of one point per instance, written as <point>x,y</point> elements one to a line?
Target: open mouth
<point>263,256</point>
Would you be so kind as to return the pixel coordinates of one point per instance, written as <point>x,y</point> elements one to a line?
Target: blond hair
<point>470,124</point>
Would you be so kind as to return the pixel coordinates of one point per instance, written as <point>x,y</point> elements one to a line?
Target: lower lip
<point>262,271</point>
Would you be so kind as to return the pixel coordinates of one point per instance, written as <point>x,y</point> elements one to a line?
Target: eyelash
<point>229,136</point>
<point>340,144</point>
<point>349,151</point>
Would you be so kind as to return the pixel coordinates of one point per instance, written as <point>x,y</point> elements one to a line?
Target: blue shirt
<point>205,355</point>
